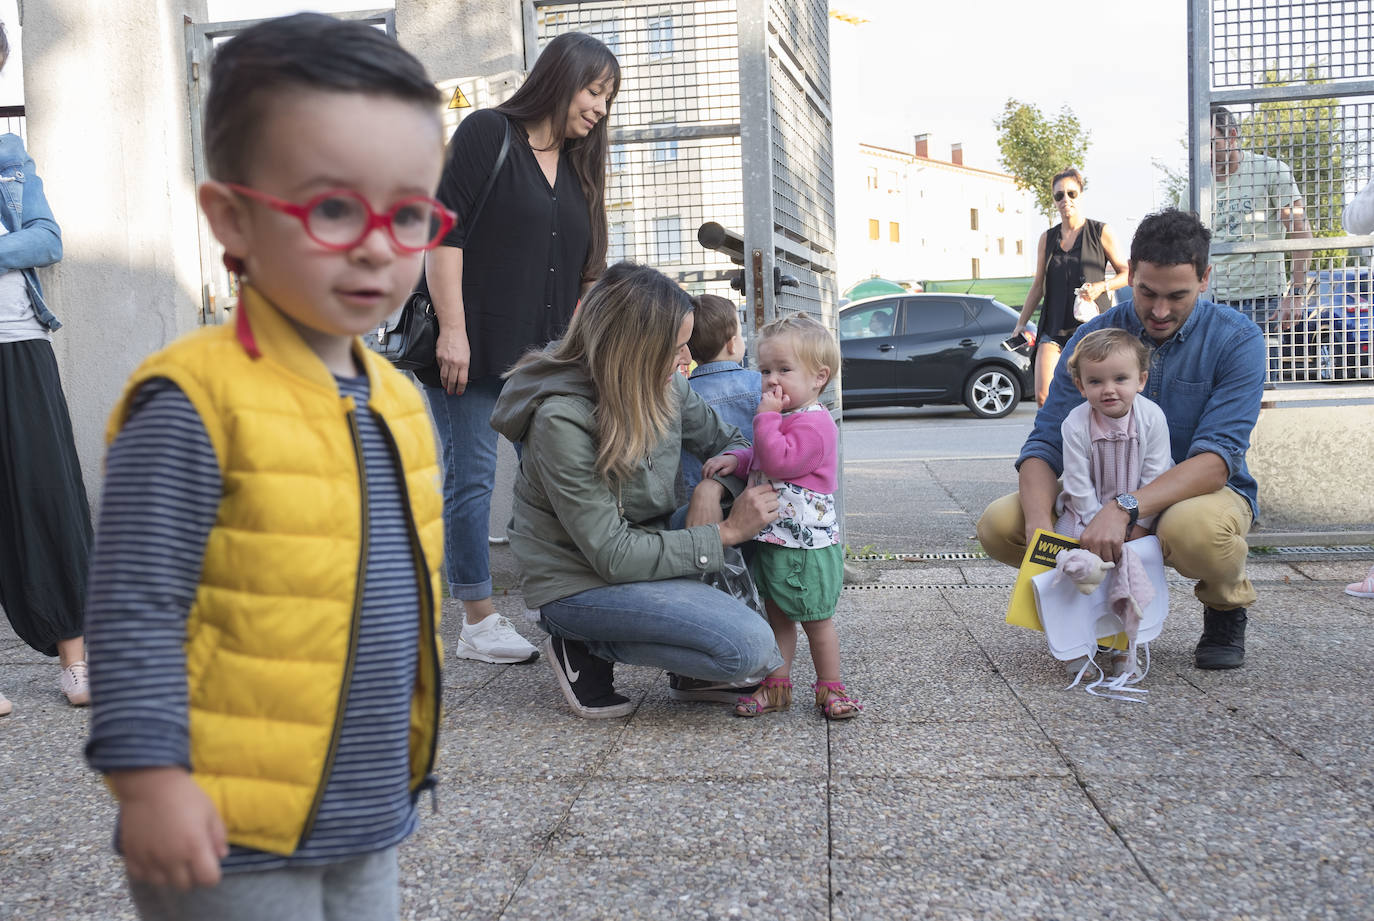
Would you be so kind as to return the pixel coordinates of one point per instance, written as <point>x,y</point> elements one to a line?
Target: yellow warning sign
<point>459,101</point>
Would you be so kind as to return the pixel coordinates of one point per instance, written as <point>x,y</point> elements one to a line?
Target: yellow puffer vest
<point>271,634</point>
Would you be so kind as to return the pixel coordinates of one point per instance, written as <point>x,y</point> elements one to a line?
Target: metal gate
<point>217,289</point>
<point>723,117</point>
<point>1297,77</point>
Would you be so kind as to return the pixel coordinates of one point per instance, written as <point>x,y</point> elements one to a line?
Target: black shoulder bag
<point>409,344</point>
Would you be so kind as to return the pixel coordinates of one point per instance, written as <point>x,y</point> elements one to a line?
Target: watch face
<point>1127,502</point>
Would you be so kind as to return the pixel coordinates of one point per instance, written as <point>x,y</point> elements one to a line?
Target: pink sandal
<point>834,702</point>
<point>777,695</point>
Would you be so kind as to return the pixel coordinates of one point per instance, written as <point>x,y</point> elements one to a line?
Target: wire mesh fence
<point>677,160</point>
<point>1289,105</point>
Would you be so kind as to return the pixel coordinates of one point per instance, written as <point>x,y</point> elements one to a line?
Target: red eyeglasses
<point>340,219</point>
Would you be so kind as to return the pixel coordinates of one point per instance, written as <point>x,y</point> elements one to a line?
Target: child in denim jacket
<point>717,345</point>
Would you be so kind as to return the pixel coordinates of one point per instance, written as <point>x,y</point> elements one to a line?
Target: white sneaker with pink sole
<point>1363,589</point>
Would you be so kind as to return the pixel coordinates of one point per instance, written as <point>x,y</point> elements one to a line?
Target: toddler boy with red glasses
<point>263,607</point>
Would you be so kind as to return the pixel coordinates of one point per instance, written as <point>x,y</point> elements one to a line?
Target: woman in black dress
<point>506,280</point>
<point>1070,265</point>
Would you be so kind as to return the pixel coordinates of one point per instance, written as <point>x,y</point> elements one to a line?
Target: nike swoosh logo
<point>568,669</point>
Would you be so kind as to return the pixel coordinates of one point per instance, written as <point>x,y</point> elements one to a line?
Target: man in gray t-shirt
<point>1255,199</point>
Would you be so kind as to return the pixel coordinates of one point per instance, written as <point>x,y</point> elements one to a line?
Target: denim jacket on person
<point>1208,378</point>
<point>34,239</point>
<point>734,393</point>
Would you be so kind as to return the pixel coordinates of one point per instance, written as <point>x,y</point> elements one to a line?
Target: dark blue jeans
<point>469,445</point>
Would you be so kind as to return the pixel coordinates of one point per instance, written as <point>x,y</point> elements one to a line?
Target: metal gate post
<point>756,150</point>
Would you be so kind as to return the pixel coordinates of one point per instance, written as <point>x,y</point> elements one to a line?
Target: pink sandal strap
<point>838,695</point>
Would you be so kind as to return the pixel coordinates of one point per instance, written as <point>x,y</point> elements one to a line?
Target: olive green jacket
<point>571,530</point>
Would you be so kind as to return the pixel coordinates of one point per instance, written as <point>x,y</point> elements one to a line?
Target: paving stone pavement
<point>972,787</point>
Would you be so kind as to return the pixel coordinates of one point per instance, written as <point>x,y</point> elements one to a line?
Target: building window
<point>1001,246</point>
<point>664,151</point>
<point>872,229</point>
<point>873,177</point>
<point>892,180</point>
<point>977,269</point>
<point>660,36</point>
<point>667,240</point>
<point>619,243</point>
<point>608,32</point>
<point>973,221</point>
<point>1020,247</point>
<point>894,232</point>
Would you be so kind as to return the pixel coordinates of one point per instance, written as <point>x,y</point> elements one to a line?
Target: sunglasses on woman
<point>1059,196</point>
<point>340,219</point>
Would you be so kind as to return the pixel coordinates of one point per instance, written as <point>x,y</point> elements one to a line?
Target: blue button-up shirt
<point>733,392</point>
<point>1208,378</point>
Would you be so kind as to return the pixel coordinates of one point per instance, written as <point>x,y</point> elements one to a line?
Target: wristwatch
<point>1128,504</point>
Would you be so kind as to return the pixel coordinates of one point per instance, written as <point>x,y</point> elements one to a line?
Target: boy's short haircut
<point>1101,343</point>
<point>816,346</point>
<point>714,321</point>
<point>1172,237</point>
<point>307,51</point>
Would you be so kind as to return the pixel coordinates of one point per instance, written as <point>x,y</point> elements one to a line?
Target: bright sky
<point>947,69</point>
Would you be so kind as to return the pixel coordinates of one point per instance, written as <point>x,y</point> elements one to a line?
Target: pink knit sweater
<point>799,447</point>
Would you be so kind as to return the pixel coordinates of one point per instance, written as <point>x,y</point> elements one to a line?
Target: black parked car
<point>914,349</point>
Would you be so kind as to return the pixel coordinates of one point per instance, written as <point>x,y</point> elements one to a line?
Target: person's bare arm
<point>752,509</point>
<point>1294,219</point>
<point>169,831</point>
<point>1037,288</point>
<point>444,275</point>
<point>1197,476</point>
<point>1038,486</point>
<point>1112,248</point>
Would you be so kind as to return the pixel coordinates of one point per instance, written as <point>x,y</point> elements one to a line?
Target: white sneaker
<point>5,706</point>
<point>75,685</point>
<point>493,639</point>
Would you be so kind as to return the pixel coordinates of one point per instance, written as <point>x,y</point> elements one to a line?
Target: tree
<point>1173,182</point>
<point>1034,148</point>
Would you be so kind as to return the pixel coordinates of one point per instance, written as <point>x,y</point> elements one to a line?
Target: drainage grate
<point>1005,586</point>
<point>919,557</point>
<point>1341,551</point>
<point>1357,550</point>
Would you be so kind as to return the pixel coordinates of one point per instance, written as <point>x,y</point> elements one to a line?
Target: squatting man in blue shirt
<point>1207,374</point>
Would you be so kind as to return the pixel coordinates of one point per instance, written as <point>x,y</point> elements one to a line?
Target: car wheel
<point>992,392</point>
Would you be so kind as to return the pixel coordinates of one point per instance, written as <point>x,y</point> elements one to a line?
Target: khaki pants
<point>1202,537</point>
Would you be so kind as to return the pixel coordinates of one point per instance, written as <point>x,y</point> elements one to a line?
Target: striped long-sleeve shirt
<point>162,492</point>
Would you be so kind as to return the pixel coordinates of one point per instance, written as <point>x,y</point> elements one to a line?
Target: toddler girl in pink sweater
<point>799,564</point>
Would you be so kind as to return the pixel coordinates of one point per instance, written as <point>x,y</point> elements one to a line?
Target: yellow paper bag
<point>1040,554</point>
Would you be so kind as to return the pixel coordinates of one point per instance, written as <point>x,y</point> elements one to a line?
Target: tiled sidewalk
<point>971,787</point>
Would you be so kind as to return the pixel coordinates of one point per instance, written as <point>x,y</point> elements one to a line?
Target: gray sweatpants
<point>359,889</point>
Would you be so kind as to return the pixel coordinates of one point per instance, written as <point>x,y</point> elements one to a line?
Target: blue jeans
<point>464,424</point>
<point>682,625</point>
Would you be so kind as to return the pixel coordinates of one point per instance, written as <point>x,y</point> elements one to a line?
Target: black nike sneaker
<point>588,682</point>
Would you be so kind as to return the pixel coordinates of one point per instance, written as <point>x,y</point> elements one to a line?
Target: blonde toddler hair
<point>815,345</point>
<point>1100,343</point>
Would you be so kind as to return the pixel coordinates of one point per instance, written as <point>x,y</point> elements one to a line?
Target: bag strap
<point>491,180</point>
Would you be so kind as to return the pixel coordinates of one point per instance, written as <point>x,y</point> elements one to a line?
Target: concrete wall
<point>108,126</point>
<point>1315,465</point>
<point>468,39</point>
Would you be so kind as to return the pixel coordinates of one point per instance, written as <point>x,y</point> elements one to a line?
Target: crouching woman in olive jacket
<point>604,416</point>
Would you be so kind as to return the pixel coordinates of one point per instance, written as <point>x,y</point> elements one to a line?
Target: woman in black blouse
<point>1072,256</point>
<point>508,281</point>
